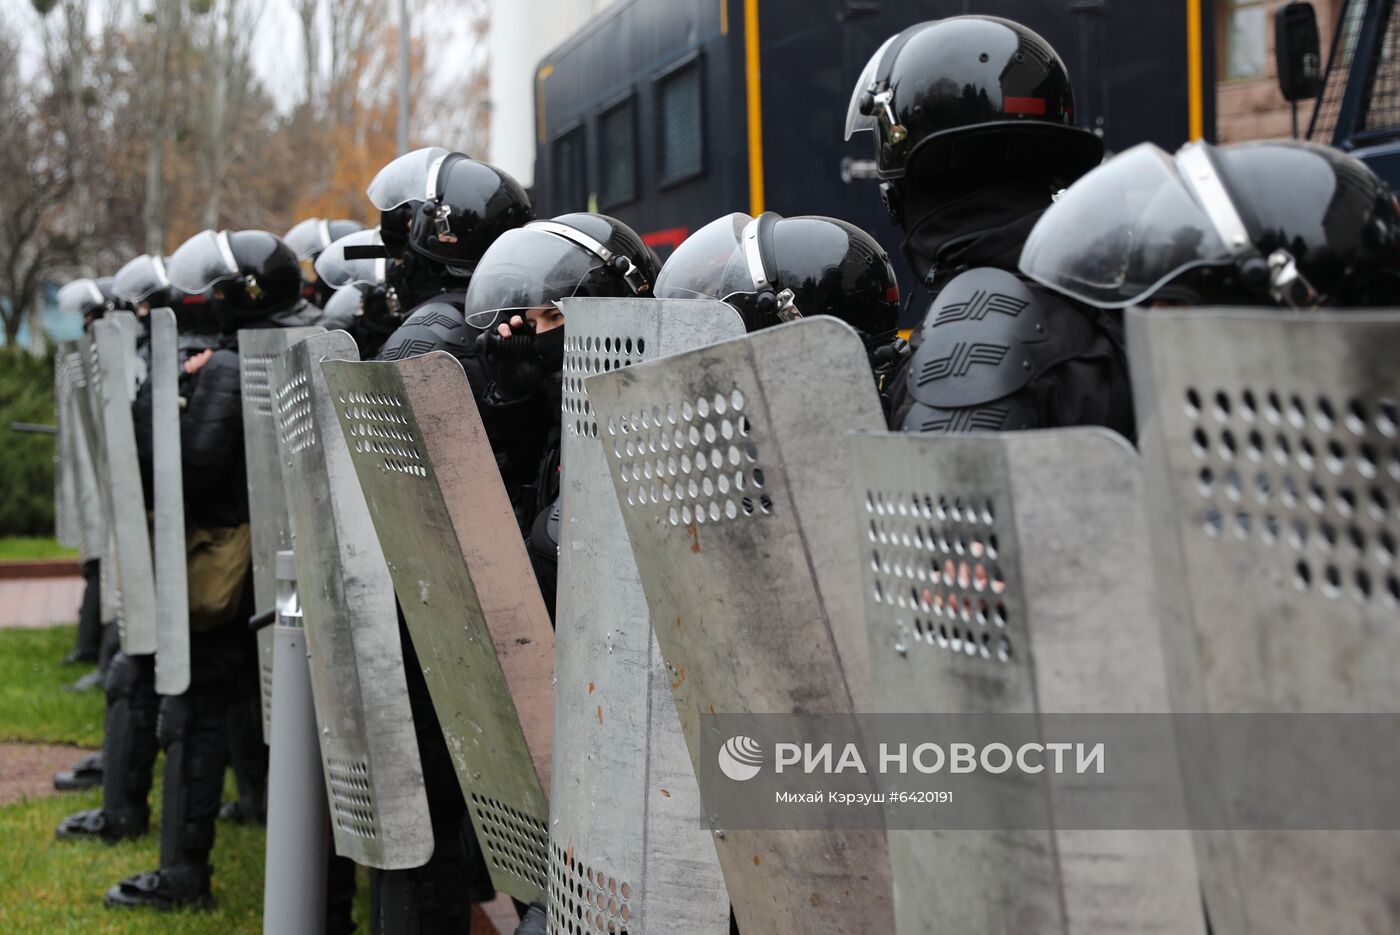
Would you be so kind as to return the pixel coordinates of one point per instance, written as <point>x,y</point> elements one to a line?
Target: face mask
<point>550,348</point>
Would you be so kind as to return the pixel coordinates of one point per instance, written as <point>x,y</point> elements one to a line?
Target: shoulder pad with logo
<point>981,341</point>
<point>433,326</point>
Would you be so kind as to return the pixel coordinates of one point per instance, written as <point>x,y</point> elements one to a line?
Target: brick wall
<point>1253,108</point>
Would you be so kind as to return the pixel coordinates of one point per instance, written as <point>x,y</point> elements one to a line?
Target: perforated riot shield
<point>1270,446</point>
<point>619,750</point>
<point>733,482</point>
<point>267,501</point>
<point>114,390</point>
<point>172,586</point>
<point>1011,574</point>
<point>369,749</point>
<point>468,594</point>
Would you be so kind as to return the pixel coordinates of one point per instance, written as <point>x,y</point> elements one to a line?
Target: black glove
<point>519,369</point>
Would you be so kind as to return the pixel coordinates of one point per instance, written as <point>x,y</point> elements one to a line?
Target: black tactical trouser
<point>436,898</point>
<point>129,739</point>
<point>194,735</point>
<point>89,641</point>
<point>246,751</point>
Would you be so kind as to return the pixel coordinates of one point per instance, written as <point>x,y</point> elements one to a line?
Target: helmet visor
<point>709,264</point>
<point>356,259</point>
<point>342,308</point>
<point>525,269</point>
<point>405,179</point>
<point>309,237</point>
<point>1122,232</point>
<point>80,297</point>
<point>203,260</point>
<point>140,278</point>
<point>857,122</point>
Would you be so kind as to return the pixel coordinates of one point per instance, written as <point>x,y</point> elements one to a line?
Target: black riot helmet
<point>545,261</point>
<point>143,282</point>
<point>254,273</point>
<point>469,205</point>
<point>313,235</point>
<point>360,261</point>
<point>969,95</point>
<point>1281,223</point>
<point>398,190</point>
<point>86,299</point>
<point>774,269</point>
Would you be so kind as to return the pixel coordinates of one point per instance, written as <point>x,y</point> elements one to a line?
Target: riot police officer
<point>973,119</point>
<point>1281,223</point>
<point>308,239</point>
<point>440,211</point>
<point>774,269</point>
<point>85,298</point>
<point>363,304</point>
<point>129,718</point>
<point>512,302</point>
<point>255,281</point>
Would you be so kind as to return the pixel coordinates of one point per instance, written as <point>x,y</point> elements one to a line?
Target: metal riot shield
<point>267,500</point>
<point>369,750</point>
<point>619,750</point>
<point>90,423</point>
<point>1011,574</point>
<point>467,590</point>
<point>86,530</point>
<point>172,586</point>
<point>132,331</point>
<point>114,391</point>
<point>732,480</point>
<point>1273,471</point>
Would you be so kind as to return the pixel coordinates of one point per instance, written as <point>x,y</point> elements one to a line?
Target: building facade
<point>1248,103</point>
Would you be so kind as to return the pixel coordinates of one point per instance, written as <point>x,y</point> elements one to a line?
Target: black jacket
<point>211,443</point>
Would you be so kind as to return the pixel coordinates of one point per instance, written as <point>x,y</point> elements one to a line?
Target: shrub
<point>26,461</point>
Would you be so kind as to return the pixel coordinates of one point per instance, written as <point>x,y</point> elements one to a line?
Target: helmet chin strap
<point>769,300</point>
<point>1281,278</point>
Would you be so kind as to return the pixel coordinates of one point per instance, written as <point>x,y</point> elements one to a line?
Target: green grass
<point>52,888</point>
<point>33,704</point>
<point>14,548</point>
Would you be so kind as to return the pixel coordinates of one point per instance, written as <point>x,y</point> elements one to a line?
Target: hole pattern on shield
<point>933,568</point>
<point>586,900</point>
<point>696,462</point>
<point>515,842</point>
<point>352,800</point>
<point>265,666</point>
<point>585,356</point>
<point>1312,482</point>
<point>294,408</point>
<point>257,381</point>
<point>378,426</point>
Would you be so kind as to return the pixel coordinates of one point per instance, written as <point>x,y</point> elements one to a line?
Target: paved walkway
<point>39,602</point>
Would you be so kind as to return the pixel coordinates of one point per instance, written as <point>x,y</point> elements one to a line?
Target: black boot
<point>192,734</point>
<point>166,889</point>
<point>129,751</point>
<point>88,647</point>
<point>247,753</point>
<point>95,824</point>
<point>85,774</point>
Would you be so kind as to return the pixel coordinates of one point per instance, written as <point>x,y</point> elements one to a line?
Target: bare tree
<point>34,184</point>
